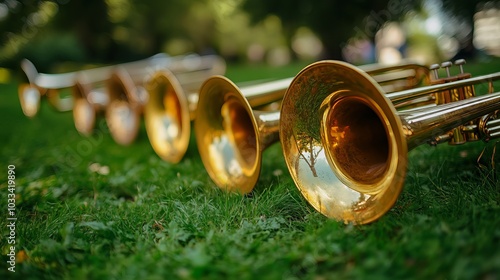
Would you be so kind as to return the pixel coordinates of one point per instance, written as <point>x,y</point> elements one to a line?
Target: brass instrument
<point>173,98</point>
<point>122,96</point>
<point>231,137</point>
<point>82,83</point>
<point>346,146</point>
<point>89,99</point>
<point>101,90</point>
<point>37,85</point>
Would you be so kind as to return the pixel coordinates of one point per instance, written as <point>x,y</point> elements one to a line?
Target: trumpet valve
<point>443,96</point>
<point>461,134</point>
<point>466,91</point>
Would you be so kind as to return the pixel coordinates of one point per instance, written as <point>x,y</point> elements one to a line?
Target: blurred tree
<point>463,11</point>
<point>88,20</point>
<point>103,30</point>
<point>63,30</point>
<point>20,23</point>
<point>118,30</point>
<point>13,16</point>
<point>152,23</point>
<point>334,21</point>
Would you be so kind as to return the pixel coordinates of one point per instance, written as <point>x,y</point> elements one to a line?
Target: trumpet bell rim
<point>123,112</point>
<point>29,98</point>
<point>84,113</point>
<point>321,106</point>
<point>167,116</point>
<point>123,121</point>
<point>227,136</point>
<point>84,116</point>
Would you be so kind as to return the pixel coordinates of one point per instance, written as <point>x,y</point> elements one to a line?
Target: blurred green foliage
<point>111,31</point>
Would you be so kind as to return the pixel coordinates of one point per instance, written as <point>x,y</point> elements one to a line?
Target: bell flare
<point>123,121</point>
<point>227,136</point>
<point>29,98</point>
<point>343,142</point>
<point>167,116</point>
<point>84,115</point>
<point>123,112</point>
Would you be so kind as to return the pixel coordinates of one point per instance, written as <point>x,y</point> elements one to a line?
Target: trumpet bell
<point>227,136</point>
<point>84,116</point>
<point>124,110</point>
<point>29,94</point>
<point>328,115</point>
<point>84,113</point>
<point>123,121</point>
<point>167,116</point>
<point>29,97</point>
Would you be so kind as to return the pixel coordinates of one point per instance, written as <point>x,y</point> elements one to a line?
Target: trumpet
<point>100,90</point>
<point>122,95</point>
<point>37,85</point>
<point>231,136</point>
<point>82,83</point>
<point>172,103</point>
<point>346,146</point>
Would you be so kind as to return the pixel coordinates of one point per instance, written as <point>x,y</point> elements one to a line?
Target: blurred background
<point>55,34</point>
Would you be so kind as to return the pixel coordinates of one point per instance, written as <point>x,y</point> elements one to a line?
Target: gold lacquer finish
<point>117,92</point>
<point>401,76</point>
<point>172,104</point>
<point>230,135</point>
<point>167,116</point>
<point>121,94</point>
<point>123,113</point>
<point>90,98</point>
<point>307,122</point>
<point>346,145</point>
<point>38,85</point>
<point>29,98</point>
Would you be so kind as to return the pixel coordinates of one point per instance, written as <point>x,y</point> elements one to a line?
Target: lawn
<point>88,208</point>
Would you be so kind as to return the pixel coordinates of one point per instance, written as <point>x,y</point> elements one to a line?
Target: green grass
<point>148,219</point>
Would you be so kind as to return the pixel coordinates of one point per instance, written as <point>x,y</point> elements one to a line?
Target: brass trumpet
<point>37,85</point>
<point>82,83</point>
<point>122,95</point>
<point>117,91</point>
<point>231,137</point>
<point>346,146</point>
<point>172,103</point>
